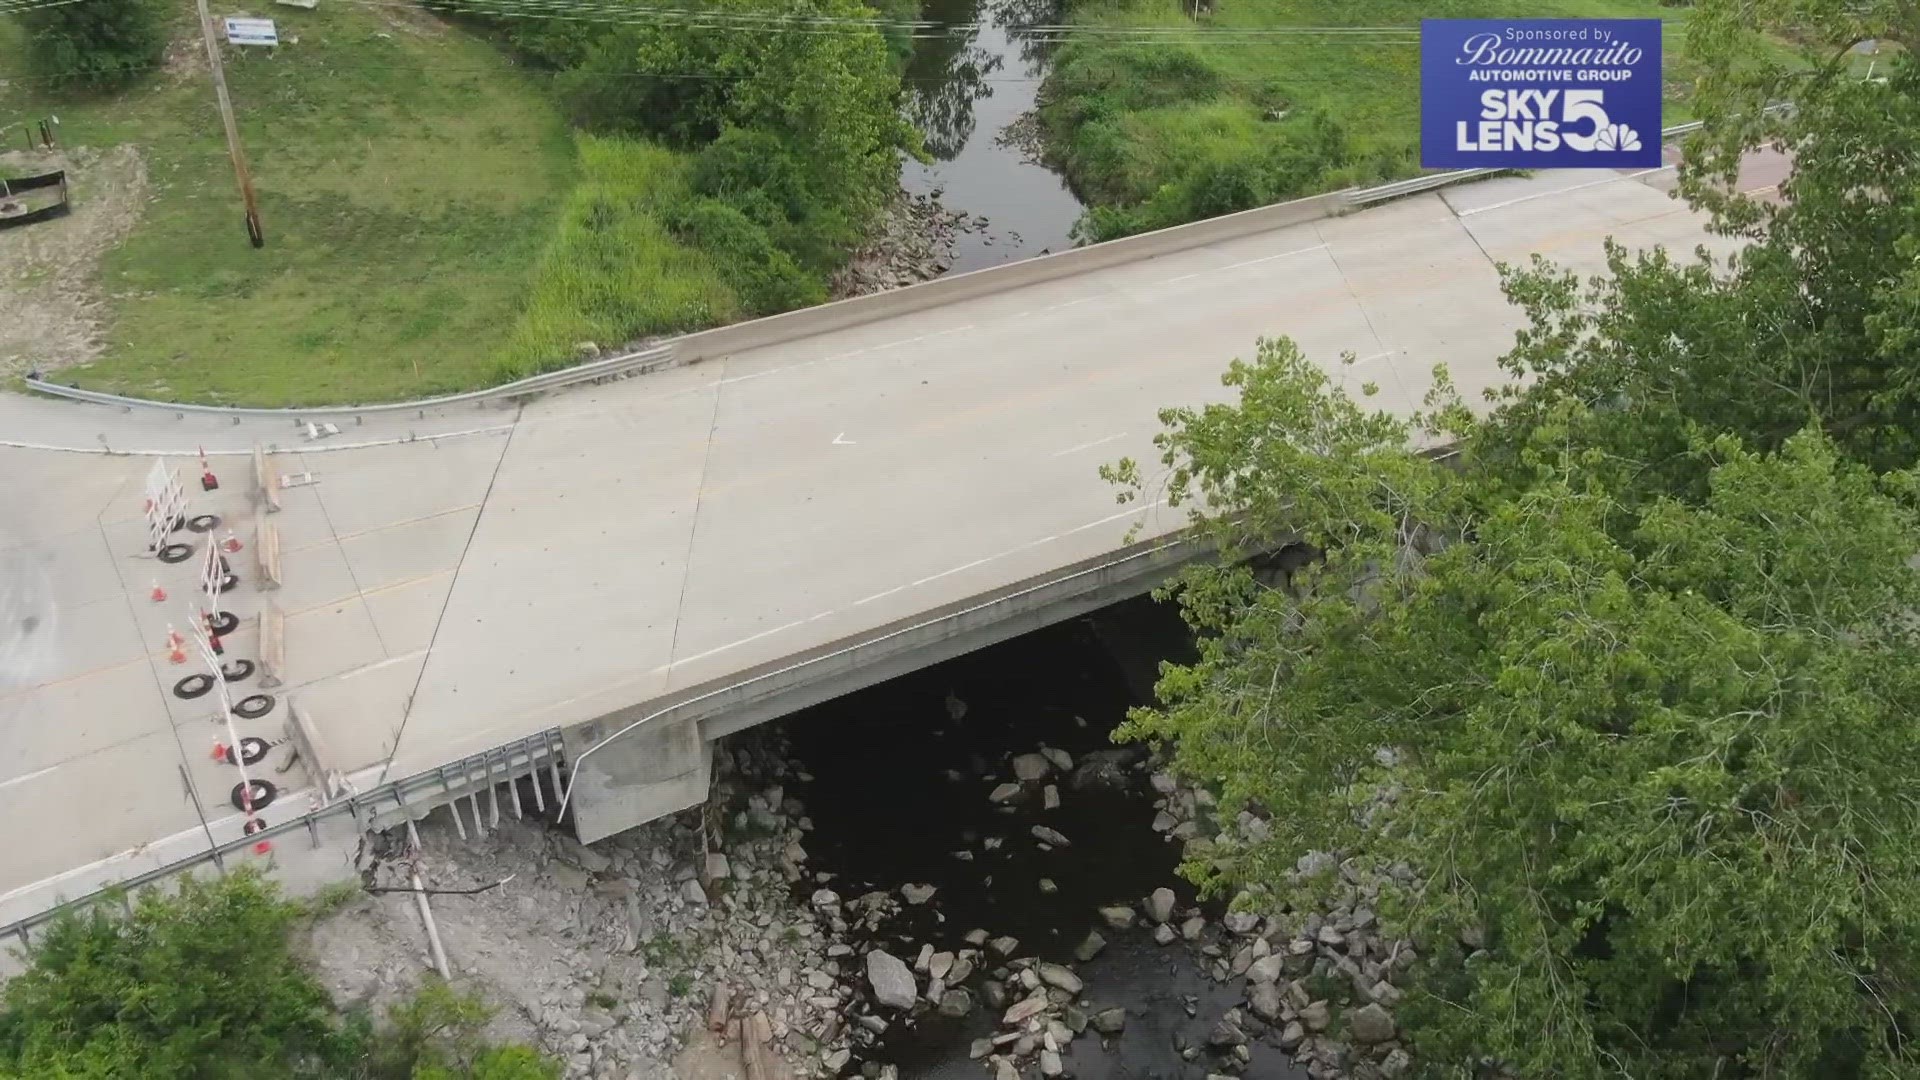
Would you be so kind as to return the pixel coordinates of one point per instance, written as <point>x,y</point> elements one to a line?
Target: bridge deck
<point>608,546</point>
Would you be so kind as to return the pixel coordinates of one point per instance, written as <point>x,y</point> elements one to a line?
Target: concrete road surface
<point>603,547</point>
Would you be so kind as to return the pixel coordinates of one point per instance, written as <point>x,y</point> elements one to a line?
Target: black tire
<point>177,523</point>
<point>202,523</point>
<point>263,794</point>
<point>253,706</point>
<point>237,670</point>
<point>251,751</point>
<point>193,686</point>
<point>223,624</point>
<point>253,825</point>
<point>176,553</point>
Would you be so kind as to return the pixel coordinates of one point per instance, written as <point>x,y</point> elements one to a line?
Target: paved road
<point>595,550</point>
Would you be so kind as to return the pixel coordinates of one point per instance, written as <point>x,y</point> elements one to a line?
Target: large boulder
<point>1160,905</point>
<point>1031,766</point>
<point>1060,976</point>
<point>1371,1024</point>
<point>891,979</point>
<point>1264,1000</point>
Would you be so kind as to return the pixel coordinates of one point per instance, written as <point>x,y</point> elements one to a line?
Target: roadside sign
<point>1540,93</point>
<point>252,32</point>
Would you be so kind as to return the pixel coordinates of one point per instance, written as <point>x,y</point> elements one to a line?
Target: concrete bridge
<point>821,503</point>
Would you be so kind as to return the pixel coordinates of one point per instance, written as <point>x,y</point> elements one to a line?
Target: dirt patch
<point>185,58</point>
<point>412,20</point>
<point>51,314</point>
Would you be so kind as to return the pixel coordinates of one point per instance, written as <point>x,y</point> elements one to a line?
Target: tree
<point>196,985</point>
<point>1816,317</point>
<point>829,98</point>
<point>203,984</point>
<point>104,43</point>
<point>1660,753</point>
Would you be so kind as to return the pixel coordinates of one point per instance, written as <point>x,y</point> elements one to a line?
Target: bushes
<point>766,278</point>
<point>204,985</point>
<point>1311,156</point>
<point>101,43</point>
<point>799,132</point>
<point>197,985</point>
<point>613,270</point>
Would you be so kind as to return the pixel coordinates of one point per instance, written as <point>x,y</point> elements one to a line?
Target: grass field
<point>431,222</point>
<point>1166,108</point>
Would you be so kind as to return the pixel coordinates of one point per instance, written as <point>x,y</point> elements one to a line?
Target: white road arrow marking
<point>842,440</point>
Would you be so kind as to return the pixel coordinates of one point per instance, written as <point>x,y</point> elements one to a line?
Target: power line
<point>619,14</point>
<point>1293,79</point>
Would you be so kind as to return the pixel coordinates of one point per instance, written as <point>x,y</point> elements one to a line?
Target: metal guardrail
<point>623,366</point>
<point>469,775</point>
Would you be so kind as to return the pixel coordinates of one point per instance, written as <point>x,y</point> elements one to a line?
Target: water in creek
<point>899,786</point>
<point>966,86</point>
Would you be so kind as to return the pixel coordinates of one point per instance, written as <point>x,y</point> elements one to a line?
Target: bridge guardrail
<point>694,347</point>
<point>510,761</point>
<point>623,366</point>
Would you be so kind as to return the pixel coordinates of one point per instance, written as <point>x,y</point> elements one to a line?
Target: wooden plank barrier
<point>273,646</point>
<point>267,478</point>
<point>266,552</point>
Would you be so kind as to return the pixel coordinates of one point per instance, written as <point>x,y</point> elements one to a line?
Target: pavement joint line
<point>37,772</point>
<point>863,351</point>
<point>954,570</point>
<point>1245,262</point>
<point>1088,445</point>
<point>341,538</point>
<point>1110,518</point>
<point>668,667</point>
<point>1270,258</point>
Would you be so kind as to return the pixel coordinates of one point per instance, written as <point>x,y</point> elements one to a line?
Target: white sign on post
<point>252,32</point>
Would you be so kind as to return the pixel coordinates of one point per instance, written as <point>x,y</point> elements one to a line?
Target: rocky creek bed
<point>951,875</point>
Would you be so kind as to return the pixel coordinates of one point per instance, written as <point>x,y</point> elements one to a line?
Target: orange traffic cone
<point>176,654</point>
<point>219,750</point>
<point>263,847</point>
<point>231,544</point>
<point>158,594</point>
<point>208,482</point>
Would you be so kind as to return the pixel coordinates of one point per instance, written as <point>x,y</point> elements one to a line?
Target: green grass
<point>431,222</point>
<point>612,271</point>
<point>1125,121</point>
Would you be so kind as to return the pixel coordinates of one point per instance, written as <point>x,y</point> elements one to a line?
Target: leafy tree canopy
<point>1627,678</point>
<point>105,43</point>
<point>204,985</point>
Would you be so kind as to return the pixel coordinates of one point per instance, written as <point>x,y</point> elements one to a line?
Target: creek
<point>900,783</point>
<point>972,84</point>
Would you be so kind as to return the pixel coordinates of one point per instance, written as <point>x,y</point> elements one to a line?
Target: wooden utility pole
<point>234,151</point>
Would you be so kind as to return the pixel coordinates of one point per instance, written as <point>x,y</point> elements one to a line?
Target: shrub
<point>101,43</point>
<point>766,278</point>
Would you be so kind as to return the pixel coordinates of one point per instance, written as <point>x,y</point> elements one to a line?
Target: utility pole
<point>234,151</point>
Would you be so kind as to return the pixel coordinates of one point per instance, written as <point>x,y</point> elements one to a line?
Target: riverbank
<point>952,873</point>
<point>1159,134</point>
